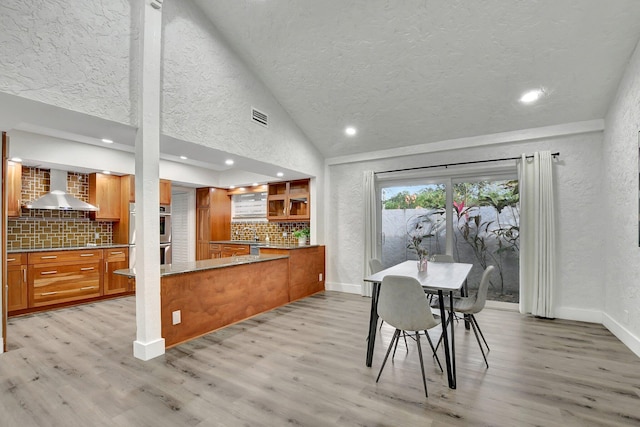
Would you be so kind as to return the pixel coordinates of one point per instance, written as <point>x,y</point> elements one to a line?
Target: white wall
<point>83,56</point>
<point>580,286</point>
<point>208,93</point>
<point>71,53</point>
<point>620,232</point>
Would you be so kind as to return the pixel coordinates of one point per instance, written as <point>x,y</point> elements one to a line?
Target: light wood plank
<point>304,364</point>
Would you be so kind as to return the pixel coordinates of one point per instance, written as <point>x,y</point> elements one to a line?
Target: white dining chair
<point>473,305</point>
<point>403,305</point>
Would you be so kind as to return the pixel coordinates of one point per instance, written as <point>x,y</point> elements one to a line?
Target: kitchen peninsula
<point>210,294</point>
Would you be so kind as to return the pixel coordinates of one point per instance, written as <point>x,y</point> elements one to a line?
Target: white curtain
<point>370,231</point>
<point>537,235</point>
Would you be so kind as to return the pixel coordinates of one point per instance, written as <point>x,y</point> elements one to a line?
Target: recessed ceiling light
<point>232,186</point>
<point>531,96</point>
<point>184,157</point>
<point>228,162</point>
<point>255,184</point>
<point>107,141</point>
<point>16,159</point>
<point>106,172</point>
<point>280,174</point>
<point>350,131</point>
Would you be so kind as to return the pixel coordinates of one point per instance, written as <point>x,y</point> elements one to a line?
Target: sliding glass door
<point>476,220</point>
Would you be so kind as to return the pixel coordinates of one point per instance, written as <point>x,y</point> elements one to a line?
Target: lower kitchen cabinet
<point>115,259</point>
<point>231,250</point>
<point>39,280</point>
<point>218,250</point>
<point>17,292</point>
<point>306,269</point>
<point>57,277</point>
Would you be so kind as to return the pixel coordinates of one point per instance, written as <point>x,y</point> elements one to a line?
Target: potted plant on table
<point>419,229</point>
<point>302,235</point>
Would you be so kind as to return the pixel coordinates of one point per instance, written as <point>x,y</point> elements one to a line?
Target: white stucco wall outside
<point>73,54</point>
<point>620,165</point>
<point>579,290</point>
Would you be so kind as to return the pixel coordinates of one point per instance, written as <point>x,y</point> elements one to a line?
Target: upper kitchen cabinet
<point>213,219</point>
<point>105,194</point>
<point>165,192</point>
<point>165,189</point>
<point>14,188</point>
<point>288,201</point>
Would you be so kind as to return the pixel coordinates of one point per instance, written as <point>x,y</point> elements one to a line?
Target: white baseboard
<point>622,333</point>
<point>343,287</point>
<point>148,350</point>
<point>578,314</point>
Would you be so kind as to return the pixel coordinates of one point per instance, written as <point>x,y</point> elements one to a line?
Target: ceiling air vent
<point>259,117</point>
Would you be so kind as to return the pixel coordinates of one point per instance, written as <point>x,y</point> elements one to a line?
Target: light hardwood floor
<point>303,364</point>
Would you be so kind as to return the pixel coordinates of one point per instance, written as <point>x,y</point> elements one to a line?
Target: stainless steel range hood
<point>57,198</point>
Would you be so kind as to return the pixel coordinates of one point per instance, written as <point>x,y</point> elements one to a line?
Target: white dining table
<point>441,277</point>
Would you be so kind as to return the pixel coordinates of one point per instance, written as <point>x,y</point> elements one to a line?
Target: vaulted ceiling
<point>414,72</point>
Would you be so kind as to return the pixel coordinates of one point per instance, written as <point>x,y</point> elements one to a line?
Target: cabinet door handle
<point>49,257</point>
<point>48,293</point>
<point>25,275</point>
<point>48,272</point>
<point>87,288</point>
<point>10,259</point>
<point>117,253</point>
<point>87,254</point>
<point>86,268</point>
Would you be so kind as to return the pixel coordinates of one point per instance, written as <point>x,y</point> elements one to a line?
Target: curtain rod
<point>446,165</point>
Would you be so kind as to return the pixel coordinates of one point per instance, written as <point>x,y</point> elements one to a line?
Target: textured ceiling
<point>414,72</point>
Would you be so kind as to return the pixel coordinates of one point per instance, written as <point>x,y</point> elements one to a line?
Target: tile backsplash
<point>247,231</point>
<point>43,228</point>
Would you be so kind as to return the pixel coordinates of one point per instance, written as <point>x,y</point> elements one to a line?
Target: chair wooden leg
<point>475,331</point>
<point>424,378</point>
<point>396,335</point>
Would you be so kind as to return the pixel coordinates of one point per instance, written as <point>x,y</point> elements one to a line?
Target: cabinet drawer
<point>64,256</point>
<point>16,260</point>
<point>214,247</point>
<point>114,255</point>
<point>231,250</point>
<point>61,283</point>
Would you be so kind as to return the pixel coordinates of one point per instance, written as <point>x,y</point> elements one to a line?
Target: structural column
<point>149,342</point>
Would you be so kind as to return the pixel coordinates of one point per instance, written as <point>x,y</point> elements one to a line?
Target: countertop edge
<point>261,245</point>
<point>207,264</point>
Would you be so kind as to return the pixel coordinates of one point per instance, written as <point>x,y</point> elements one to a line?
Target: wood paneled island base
<point>214,298</point>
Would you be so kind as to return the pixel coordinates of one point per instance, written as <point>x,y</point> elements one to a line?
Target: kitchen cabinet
<point>130,188</point>
<point>105,194</point>
<point>165,192</point>
<point>288,201</point>
<point>306,269</point>
<point>17,295</point>
<point>233,249</point>
<point>115,259</point>
<point>14,188</point>
<point>128,191</point>
<point>213,219</point>
<point>56,277</point>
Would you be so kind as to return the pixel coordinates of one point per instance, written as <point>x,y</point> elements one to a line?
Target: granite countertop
<point>206,264</point>
<point>65,248</point>
<point>262,244</point>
